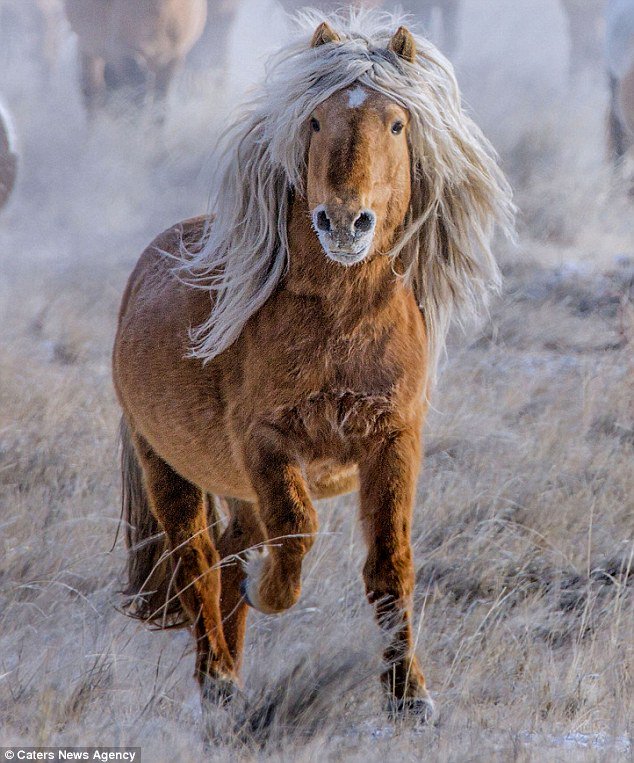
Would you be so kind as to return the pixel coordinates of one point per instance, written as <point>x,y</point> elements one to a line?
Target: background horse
<point>284,351</point>
<point>8,158</point>
<point>585,33</point>
<point>620,60</point>
<point>449,16</point>
<point>133,45</point>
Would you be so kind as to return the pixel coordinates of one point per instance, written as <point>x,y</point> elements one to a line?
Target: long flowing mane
<point>458,194</point>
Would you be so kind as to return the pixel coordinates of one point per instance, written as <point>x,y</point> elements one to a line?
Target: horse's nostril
<point>323,223</point>
<point>364,222</point>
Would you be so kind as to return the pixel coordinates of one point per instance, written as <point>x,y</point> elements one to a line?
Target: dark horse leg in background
<point>616,133</point>
<point>93,83</point>
<point>449,16</point>
<point>162,81</point>
<point>211,52</point>
<point>131,76</point>
<point>450,22</point>
<point>99,80</point>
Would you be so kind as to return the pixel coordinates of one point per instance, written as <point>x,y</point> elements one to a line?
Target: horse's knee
<point>389,577</point>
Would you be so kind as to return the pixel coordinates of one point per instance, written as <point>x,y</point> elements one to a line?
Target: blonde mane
<point>458,193</point>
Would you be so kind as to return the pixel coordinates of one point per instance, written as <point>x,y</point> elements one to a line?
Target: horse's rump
<point>160,31</point>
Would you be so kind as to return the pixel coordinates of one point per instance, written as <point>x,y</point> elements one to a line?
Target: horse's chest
<point>330,391</point>
<point>334,420</point>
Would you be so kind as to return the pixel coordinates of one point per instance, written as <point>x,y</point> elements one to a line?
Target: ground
<point>524,522</point>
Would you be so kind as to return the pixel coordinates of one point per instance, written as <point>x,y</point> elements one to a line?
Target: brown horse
<point>51,22</point>
<point>211,52</point>
<point>137,45</point>
<point>620,60</point>
<point>282,350</point>
<point>8,158</point>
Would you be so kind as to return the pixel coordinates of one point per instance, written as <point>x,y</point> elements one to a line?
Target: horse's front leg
<point>388,480</point>
<point>273,581</point>
<point>93,83</point>
<point>450,26</point>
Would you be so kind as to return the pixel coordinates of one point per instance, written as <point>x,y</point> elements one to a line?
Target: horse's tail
<point>151,580</point>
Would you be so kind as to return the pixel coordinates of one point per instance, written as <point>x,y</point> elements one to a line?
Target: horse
<point>620,64</point>
<point>51,20</point>
<point>283,348</point>
<point>449,11</point>
<point>136,45</point>
<point>8,157</point>
<point>211,51</point>
<point>584,19</point>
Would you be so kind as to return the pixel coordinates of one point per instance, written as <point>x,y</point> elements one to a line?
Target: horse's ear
<point>403,44</point>
<point>323,35</point>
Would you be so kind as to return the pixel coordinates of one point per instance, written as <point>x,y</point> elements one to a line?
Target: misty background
<point>85,191</point>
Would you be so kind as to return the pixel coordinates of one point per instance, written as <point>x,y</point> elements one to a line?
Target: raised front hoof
<point>266,593</point>
<point>420,709</point>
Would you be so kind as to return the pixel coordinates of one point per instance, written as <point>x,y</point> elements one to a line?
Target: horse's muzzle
<point>345,234</point>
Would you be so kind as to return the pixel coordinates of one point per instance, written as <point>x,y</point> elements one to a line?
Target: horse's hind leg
<point>159,88</point>
<point>244,530</point>
<point>179,507</point>
<point>388,479</point>
<point>274,581</point>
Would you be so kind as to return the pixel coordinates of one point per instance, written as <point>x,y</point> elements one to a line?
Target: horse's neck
<point>347,292</point>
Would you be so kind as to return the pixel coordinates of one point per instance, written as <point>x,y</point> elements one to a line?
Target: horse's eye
<point>397,128</point>
<point>314,125</point>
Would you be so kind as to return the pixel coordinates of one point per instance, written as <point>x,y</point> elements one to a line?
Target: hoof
<point>217,690</point>
<point>420,709</point>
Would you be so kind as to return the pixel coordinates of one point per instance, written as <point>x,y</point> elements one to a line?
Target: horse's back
<point>167,396</point>
<point>153,282</point>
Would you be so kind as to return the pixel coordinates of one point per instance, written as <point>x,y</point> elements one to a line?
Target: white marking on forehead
<point>356,97</point>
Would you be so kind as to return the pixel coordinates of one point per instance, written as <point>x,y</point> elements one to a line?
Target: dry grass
<point>524,530</point>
